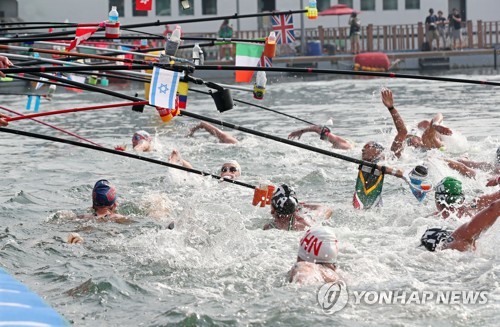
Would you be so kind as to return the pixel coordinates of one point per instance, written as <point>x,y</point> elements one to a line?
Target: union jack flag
<point>265,61</point>
<point>283,26</point>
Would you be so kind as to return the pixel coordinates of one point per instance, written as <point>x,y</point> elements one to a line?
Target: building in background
<point>377,12</point>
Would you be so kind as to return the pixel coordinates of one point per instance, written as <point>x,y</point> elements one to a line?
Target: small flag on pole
<point>183,92</point>
<point>163,90</point>
<point>247,54</point>
<point>145,5</point>
<point>82,34</point>
<point>283,26</point>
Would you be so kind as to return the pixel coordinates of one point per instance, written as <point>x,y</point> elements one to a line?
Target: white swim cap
<point>234,163</point>
<point>319,245</point>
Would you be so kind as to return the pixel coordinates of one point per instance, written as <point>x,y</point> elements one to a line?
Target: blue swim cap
<point>103,194</point>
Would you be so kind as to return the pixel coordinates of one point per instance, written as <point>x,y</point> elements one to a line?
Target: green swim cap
<point>449,191</point>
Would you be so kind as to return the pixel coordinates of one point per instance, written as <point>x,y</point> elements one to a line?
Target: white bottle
<point>202,57</point>
<point>113,15</point>
<point>50,92</point>
<point>196,54</point>
<point>261,79</point>
<point>173,42</point>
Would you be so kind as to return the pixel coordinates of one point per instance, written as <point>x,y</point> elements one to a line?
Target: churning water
<point>218,267</point>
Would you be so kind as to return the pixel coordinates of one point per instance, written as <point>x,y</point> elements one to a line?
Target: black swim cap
<point>284,200</point>
<point>433,237</point>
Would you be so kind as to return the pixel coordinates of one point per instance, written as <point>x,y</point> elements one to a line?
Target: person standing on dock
<point>441,23</point>
<point>225,32</point>
<point>456,33</point>
<point>431,29</point>
<point>354,32</point>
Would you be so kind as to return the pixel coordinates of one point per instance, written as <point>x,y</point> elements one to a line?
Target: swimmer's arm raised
<point>402,132</point>
<point>480,222</point>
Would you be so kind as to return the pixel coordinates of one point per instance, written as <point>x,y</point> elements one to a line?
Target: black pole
<point>266,69</point>
<point>123,154</point>
<point>48,69</point>
<point>347,72</point>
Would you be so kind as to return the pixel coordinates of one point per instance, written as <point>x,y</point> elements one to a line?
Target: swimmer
<point>104,203</point>
<point>431,136</point>
<point>464,237</point>
<point>450,199</point>
<point>325,134</point>
<point>142,141</point>
<point>231,169</point>
<point>317,257</point>
<point>222,136</point>
<point>288,212</point>
<point>3,120</point>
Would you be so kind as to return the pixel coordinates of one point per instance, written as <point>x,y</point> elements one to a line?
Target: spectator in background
<point>225,31</point>
<point>456,23</point>
<point>441,23</point>
<point>431,29</point>
<point>354,32</point>
<point>167,31</point>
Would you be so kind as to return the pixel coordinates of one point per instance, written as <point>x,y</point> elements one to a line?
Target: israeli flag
<point>163,88</point>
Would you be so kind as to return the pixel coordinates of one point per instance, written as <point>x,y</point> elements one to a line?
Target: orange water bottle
<point>262,194</point>
<point>270,45</point>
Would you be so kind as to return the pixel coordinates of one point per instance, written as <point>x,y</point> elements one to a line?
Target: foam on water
<point>217,266</point>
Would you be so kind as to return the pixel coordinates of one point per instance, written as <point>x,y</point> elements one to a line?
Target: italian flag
<point>247,54</point>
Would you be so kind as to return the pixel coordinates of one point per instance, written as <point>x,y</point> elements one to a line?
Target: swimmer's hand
<point>194,129</point>
<point>121,147</point>
<point>443,130</point>
<point>387,98</point>
<point>174,157</point>
<point>494,181</point>
<point>75,238</point>
<point>296,134</point>
<point>3,120</point>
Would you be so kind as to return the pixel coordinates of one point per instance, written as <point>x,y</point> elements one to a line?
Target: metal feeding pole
<point>302,31</point>
<point>238,20</point>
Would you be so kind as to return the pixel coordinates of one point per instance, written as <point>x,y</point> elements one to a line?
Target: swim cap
<point>434,237</point>
<point>319,245</point>
<point>449,191</point>
<point>103,194</point>
<point>498,155</point>
<point>284,200</point>
<point>140,136</point>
